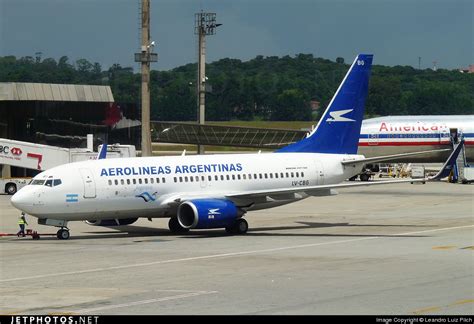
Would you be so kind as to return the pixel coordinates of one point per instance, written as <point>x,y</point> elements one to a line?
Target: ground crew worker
<point>22,222</point>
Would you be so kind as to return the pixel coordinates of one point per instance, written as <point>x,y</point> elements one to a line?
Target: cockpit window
<point>52,182</point>
<point>37,182</point>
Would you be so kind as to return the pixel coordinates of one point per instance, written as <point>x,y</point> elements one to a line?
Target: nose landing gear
<point>63,233</point>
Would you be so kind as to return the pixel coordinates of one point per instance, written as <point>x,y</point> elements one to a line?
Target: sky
<point>397,32</point>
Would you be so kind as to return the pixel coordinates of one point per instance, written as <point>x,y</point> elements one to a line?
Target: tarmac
<point>383,250</point>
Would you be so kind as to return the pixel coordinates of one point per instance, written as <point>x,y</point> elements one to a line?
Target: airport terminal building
<point>63,114</point>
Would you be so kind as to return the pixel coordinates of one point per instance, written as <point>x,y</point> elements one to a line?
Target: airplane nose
<point>20,200</point>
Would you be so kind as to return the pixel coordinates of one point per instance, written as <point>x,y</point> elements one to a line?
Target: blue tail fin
<point>338,130</point>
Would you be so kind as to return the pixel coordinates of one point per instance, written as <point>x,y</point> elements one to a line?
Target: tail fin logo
<point>337,116</point>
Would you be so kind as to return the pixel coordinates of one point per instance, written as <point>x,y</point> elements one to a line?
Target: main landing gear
<point>239,227</point>
<point>63,234</point>
<point>175,227</point>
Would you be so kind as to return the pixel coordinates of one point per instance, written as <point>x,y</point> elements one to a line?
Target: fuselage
<point>403,134</point>
<point>151,187</point>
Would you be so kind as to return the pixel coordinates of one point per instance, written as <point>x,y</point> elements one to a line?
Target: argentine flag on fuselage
<point>339,128</point>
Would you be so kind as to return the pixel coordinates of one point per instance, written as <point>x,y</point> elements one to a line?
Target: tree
<point>291,105</point>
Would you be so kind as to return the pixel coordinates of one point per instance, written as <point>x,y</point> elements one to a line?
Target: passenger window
<point>180,179</point>
<point>202,178</point>
<point>157,180</point>
<point>297,175</point>
<point>271,175</point>
<point>152,180</point>
<point>197,178</point>
<point>302,174</point>
<point>276,175</point>
<point>287,175</point>
<point>140,181</point>
<point>209,178</point>
<point>292,175</point>
<point>56,182</point>
<point>146,180</point>
<point>244,176</point>
<point>191,179</point>
<point>116,182</point>
<point>185,179</point>
<point>222,177</point>
<point>266,176</point>
<point>134,181</point>
<point>260,176</point>
<point>217,178</point>
<point>282,175</point>
<point>163,180</point>
<point>233,177</point>
<point>49,183</point>
<point>128,181</point>
<point>122,182</point>
<point>228,177</point>
<point>110,182</point>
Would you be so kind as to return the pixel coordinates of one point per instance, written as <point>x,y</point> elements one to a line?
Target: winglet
<point>450,162</point>
<point>103,152</point>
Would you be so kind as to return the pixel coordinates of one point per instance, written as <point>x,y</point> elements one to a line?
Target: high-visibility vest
<point>21,221</point>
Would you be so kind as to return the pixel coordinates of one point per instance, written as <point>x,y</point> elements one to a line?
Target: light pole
<point>145,57</point>
<point>204,24</point>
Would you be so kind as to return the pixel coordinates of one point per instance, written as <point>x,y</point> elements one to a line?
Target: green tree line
<point>263,88</point>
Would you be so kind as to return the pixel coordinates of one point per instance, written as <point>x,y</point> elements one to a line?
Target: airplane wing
<point>246,197</point>
<point>390,157</point>
<point>315,190</point>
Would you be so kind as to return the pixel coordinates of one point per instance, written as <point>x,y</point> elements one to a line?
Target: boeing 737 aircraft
<point>211,191</point>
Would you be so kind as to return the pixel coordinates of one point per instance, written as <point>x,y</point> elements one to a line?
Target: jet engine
<point>208,213</point>
<point>111,222</point>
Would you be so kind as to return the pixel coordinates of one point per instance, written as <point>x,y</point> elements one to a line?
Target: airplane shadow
<point>131,231</point>
<point>265,231</point>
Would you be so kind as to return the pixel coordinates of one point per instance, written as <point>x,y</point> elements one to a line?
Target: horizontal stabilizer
<point>390,157</point>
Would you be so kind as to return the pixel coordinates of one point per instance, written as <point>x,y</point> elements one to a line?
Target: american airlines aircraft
<point>211,191</point>
<point>403,134</point>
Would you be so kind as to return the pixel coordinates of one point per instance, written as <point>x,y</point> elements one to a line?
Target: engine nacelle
<point>111,222</point>
<point>208,213</point>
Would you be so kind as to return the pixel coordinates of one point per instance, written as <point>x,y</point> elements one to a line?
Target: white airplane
<point>211,191</point>
<point>403,134</point>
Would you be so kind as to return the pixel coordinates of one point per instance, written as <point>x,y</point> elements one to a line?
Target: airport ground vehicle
<point>43,157</point>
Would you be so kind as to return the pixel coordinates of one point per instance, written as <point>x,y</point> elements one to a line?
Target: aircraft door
<point>444,136</point>
<point>319,173</point>
<point>89,184</point>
